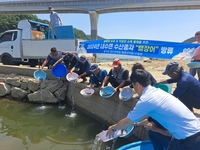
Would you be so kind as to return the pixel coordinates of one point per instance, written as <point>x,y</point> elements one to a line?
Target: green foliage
<point>98,37</point>
<point>190,40</point>
<point>9,22</point>
<point>79,34</point>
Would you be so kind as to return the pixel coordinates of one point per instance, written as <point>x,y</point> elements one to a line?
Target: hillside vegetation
<point>9,22</point>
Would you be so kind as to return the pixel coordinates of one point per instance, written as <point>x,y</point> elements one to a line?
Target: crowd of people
<point>171,124</point>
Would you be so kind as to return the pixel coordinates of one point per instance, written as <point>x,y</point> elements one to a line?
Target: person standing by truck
<point>54,20</point>
<point>52,58</point>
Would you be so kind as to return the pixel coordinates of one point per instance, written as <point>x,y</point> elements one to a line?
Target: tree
<point>9,22</point>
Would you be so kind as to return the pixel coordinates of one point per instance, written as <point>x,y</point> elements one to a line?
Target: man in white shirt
<point>54,20</point>
<point>182,126</point>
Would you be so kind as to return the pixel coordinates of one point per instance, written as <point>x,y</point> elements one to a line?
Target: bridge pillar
<point>94,22</point>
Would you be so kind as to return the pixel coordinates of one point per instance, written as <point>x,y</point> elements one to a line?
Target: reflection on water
<point>29,126</point>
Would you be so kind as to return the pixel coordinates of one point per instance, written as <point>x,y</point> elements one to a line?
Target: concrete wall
<point>108,111</point>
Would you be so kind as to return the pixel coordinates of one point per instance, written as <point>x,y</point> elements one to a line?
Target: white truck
<point>30,43</point>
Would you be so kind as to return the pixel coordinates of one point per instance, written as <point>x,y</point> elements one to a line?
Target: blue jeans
<point>51,62</point>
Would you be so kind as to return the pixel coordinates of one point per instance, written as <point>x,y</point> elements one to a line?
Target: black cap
<point>68,56</point>
<point>171,67</point>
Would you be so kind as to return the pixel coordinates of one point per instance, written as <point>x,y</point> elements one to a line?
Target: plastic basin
<point>39,75</point>
<point>87,92</point>
<point>59,71</point>
<point>126,94</point>
<point>106,92</point>
<point>71,77</point>
<point>164,87</point>
<point>140,145</point>
<point>193,64</point>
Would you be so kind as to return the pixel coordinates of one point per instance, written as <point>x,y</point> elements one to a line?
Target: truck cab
<point>10,42</point>
<point>32,42</point>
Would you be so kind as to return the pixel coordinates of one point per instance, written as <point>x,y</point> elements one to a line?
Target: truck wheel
<point>33,62</point>
<point>7,60</point>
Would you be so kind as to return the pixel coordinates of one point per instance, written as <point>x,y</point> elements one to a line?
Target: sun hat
<point>94,67</point>
<point>82,58</point>
<point>171,67</point>
<point>116,62</point>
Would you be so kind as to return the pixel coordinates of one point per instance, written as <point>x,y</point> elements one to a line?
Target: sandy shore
<point>155,67</point>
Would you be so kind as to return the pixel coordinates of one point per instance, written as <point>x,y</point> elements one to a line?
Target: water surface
<point>28,126</point>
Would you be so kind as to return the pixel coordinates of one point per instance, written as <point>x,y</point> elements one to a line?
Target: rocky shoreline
<point>25,88</point>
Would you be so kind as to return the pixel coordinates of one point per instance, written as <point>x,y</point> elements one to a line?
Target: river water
<point>28,126</point>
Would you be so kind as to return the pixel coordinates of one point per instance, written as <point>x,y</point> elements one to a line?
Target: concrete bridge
<point>94,7</point>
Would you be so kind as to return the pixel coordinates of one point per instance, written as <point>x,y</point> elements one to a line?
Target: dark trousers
<point>162,142</point>
<point>190,143</point>
<point>68,64</point>
<point>190,100</point>
<point>159,141</point>
<point>79,72</point>
<point>114,83</point>
<point>51,62</point>
<point>193,72</point>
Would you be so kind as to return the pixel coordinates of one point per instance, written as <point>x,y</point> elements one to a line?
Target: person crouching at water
<point>70,60</point>
<point>82,68</point>
<point>118,76</point>
<point>180,123</point>
<point>187,88</point>
<point>140,66</point>
<point>97,77</point>
<point>52,58</point>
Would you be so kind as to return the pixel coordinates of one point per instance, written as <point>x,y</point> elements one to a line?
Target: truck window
<point>15,36</point>
<point>6,37</point>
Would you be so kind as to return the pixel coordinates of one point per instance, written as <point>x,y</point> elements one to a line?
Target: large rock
<point>24,84</point>
<point>48,84</point>
<point>18,93</point>
<point>54,87</point>
<point>61,93</point>
<point>13,81</point>
<point>4,89</point>
<point>42,96</point>
<point>33,85</point>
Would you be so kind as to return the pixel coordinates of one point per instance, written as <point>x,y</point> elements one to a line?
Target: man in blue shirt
<point>182,126</point>
<point>188,87</point>
<point>97,77</point>
<point>82,68</point>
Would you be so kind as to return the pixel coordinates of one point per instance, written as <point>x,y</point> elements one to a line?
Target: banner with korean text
<point>143,48</point>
